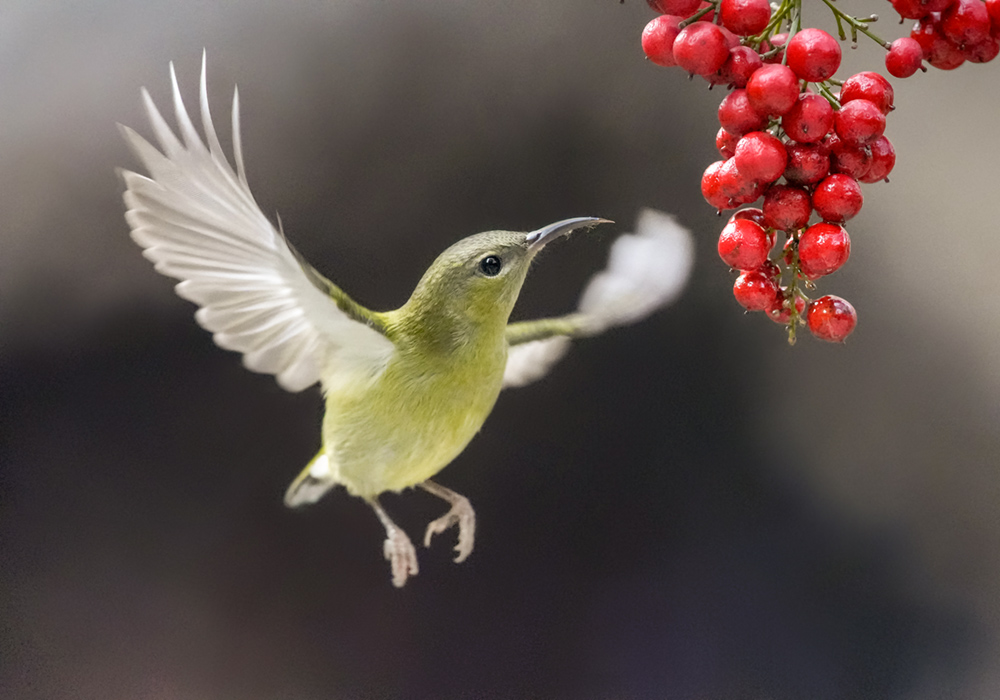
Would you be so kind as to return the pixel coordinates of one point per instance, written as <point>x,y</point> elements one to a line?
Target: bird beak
<point>537,239</point>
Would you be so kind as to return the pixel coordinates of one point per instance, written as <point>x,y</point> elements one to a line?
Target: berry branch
<point>797,137</point>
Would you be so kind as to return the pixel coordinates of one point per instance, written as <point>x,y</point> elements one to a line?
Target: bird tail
<point>312,483</point>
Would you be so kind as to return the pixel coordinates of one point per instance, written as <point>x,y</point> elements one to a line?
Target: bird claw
<point>464,516</point>
<point>401,555</point>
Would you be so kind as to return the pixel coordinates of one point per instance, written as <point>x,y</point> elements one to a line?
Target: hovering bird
<point>405,390</point>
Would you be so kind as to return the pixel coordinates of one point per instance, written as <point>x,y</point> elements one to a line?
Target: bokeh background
<point>687,508</point>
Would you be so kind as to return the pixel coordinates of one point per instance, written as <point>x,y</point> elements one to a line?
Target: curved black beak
<point>538,238</point>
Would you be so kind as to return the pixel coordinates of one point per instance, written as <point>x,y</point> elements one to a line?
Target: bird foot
<point>401,555</point>
<point>464,516</point>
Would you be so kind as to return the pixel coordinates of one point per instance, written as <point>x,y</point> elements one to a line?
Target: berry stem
<point>824,90</point>
<point>856,25</point>
<point>712,7</point>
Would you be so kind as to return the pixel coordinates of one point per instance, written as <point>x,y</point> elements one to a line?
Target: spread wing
<point>646,270</point>
<point>198,222</point>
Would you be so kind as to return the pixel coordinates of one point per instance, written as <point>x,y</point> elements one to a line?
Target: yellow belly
<point>403,426</point>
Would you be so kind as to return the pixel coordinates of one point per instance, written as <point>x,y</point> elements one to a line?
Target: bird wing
<point>198,222</point>
<point>646,270</point>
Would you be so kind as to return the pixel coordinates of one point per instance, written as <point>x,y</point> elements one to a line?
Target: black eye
<point>490,265</point>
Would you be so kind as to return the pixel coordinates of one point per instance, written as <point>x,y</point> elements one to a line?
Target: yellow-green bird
<point>405,390</point>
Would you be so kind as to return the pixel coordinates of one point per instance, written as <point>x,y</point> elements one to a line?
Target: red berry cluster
<point>947,34</point>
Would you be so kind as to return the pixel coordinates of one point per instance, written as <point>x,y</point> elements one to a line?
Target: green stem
<point>856,25</point>
<point>699,14</point>
<point>824,90</point>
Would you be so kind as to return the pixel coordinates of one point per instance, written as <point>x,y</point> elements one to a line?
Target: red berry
<point>684,8</point>
<point>966,22</point>
<point>904,57</point>
<point>807,164</point>
<point>743,245</point>
<point>823,248</point>
<point>741,64</point>
<point>846,158</point>
<point>982,52</point>
<point>781,311</point>
<point>745,17</point>
<point>701,48</point>
<point>813,54</point>
<point>809,119</point>
<point>736,185</point>
<point>760,156</point>
<point>831,318</point>
<point>786,207</point>
<point>837,198</point>
<point>859,121</point>
<point>993,10</point>
<point>750,214</point>
<point>910,9</point>
<point>883,160</point>
<point>726,143</point>
<point>711,190</point>
<point>938,51</point>
<point>658,39</point>
<point>773,89</point>
<point>755,291</point>
<point>777,41</point>
<point>868,85</point>
<point>737,116</point>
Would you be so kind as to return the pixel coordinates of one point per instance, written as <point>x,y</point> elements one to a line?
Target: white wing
<point>198,222</point>
<point>646,270</point>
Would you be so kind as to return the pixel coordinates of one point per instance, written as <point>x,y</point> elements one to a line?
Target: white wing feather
<point>646,270</point>
<point>198,222</point>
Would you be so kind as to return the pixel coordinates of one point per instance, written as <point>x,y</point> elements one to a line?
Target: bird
<point>404,390</point>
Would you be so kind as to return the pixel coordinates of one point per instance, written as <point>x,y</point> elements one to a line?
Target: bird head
<point>477,280</point>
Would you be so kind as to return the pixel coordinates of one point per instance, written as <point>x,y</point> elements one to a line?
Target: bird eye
<point>490,265</point>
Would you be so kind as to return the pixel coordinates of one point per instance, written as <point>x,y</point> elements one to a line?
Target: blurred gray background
<point>687,508</point>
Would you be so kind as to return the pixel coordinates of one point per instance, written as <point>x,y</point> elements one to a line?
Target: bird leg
<point>398,549</point>
<point>461,513</point>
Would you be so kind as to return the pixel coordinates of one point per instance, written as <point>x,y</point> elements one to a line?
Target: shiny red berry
<point>684,8</point>
<point>813,54</point>
<point>658,39</point>
<point>831,318</point>
<point>711,190</point>
<point>938,50</point>
<point>737,116</point>
<point>993,10</point>
<point>755,290</point>
<point>781,310</point>
<point>725,143</point>
<point>849,159</point>
<point>809,119</point>
<point>837,198</point>
<point>807,164</point>
<point>701,48</point>
<point>966,22</point>
<point>823,248</point>
<point>773,89</point>
<point>778,42</point>
<point>743,244</point>
<point>737,185</point>
<point>786,207</point>
<point>883,160</point>
<point>745,17</point>
<point>904,57</point>
<point>741,64</point>
<point>983,51</point>
<point>868,85</point>
<point>760,156</point>
<point>859,122</point>
<point>750,214</point>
